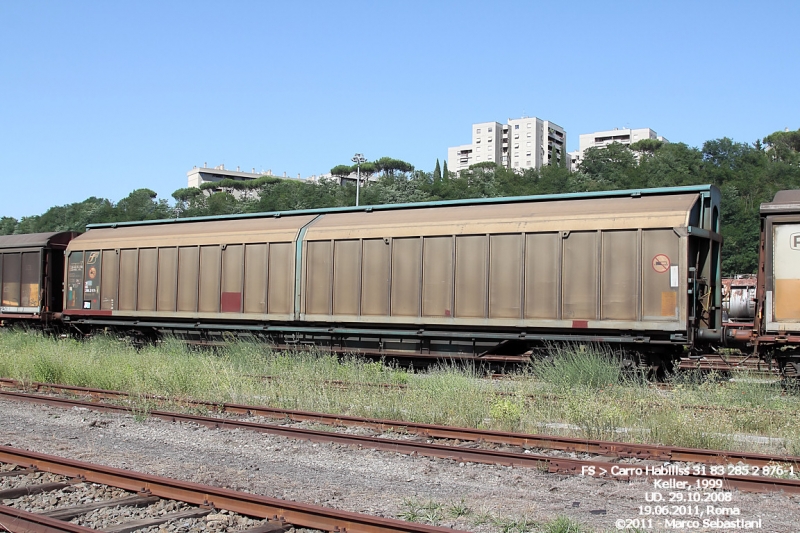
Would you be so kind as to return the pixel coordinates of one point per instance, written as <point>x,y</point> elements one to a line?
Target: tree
<point>368,169</point>
<point>190,202</point>
<point>344,171</point>
<point>445,172</point>
<point>188,194</point>
<point>784,146</point>
<point>485,165</point>
<point>7,225</point>
<point>223,203</point>
<point>28,225</point>
<point>437,171</point>
<point>724,153</point>
<point>399,189</point>
<point>612,167</point>
<point>512,183</point>
<point>741,172</point>
<point>141,204</point>
<point>389,166</point>
<point>553,159</point>
<point>341,171</point>
<point>70,217</point>
<point>669,165</point>
<point>553,179</point>
<point>647,146</point>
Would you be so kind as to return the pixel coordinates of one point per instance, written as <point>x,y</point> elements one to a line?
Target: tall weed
<point>580,366</point>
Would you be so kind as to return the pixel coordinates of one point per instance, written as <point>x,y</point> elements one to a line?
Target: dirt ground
<point>493,498</point>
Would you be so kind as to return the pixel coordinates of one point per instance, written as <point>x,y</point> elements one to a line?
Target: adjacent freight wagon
<point>777,320</point>
<point>31,276</point>
<point>469,278</point>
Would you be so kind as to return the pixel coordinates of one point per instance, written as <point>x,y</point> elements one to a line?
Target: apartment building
<point>601,139</point>
<point>522,143</point>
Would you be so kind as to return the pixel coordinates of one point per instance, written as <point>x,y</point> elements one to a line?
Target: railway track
<point>293,415</point>
<point>751,364</point>
<point>201,501</point>
<point>623,461</point>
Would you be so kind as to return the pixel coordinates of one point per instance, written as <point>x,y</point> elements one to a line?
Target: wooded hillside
<point>747,174</point>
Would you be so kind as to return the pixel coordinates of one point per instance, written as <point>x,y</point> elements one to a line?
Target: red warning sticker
<point>661,263</point>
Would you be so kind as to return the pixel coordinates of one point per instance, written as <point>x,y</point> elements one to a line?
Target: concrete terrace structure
<point>198,176</point>
<point>601,139</point>
<point>522,143</point>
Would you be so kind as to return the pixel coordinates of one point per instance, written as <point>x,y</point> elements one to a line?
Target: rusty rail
<point>550,442</point>
<point>298,514</point>
<point>505,458</point>
<point>16,520</point>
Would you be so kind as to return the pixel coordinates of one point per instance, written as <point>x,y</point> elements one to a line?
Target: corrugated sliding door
<point>255,278</point>
<point>108,280</point>
<point>281,278</point>
<point>148,272</point>
<point>579,276</point>
<point>318,277</point>
<point>505,276</point>
<point>660,271</point>
<point>375,278</point>
<point>166,299</point>
<point>406,276</point>
<point>471,263</point>
<point>128,272</point>
<point>188,276</point>
<point>542,270</point>
<point>437,277</point>
<point>620,282</point>
<point>208,301</point>
<point>346,276</point>
<point>232,270</point>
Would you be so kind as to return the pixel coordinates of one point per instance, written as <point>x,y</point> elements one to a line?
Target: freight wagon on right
<point>777,320</point>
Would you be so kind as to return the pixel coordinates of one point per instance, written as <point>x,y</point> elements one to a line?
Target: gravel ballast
<point>359,480</point>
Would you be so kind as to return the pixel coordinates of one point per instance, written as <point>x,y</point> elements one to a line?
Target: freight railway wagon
<point>31,276</point>
<point>468,278</point>
<point>777,320</point>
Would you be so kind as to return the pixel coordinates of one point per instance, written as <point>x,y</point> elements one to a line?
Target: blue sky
<point>100,98</point>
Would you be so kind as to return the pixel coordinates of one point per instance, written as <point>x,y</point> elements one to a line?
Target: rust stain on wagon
<point>787,300</point>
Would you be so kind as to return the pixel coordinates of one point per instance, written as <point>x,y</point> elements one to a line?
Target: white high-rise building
<point>601,139</point>
<point>520,144</point>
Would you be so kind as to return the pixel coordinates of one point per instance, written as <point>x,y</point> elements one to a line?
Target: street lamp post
<point>358,159</point>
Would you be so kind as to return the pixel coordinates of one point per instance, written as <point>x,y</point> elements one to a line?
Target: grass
<point>576,391</point>
<point>429,512</point>
<point>563,524</point>
<point>567,367</point>
<point>433,513</point>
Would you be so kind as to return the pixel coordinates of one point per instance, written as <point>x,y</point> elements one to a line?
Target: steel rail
<point>552,442</point>
<point>19,521</point>
<point>406,447</point>
<point>475,455</point>
<point>298,514</point>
